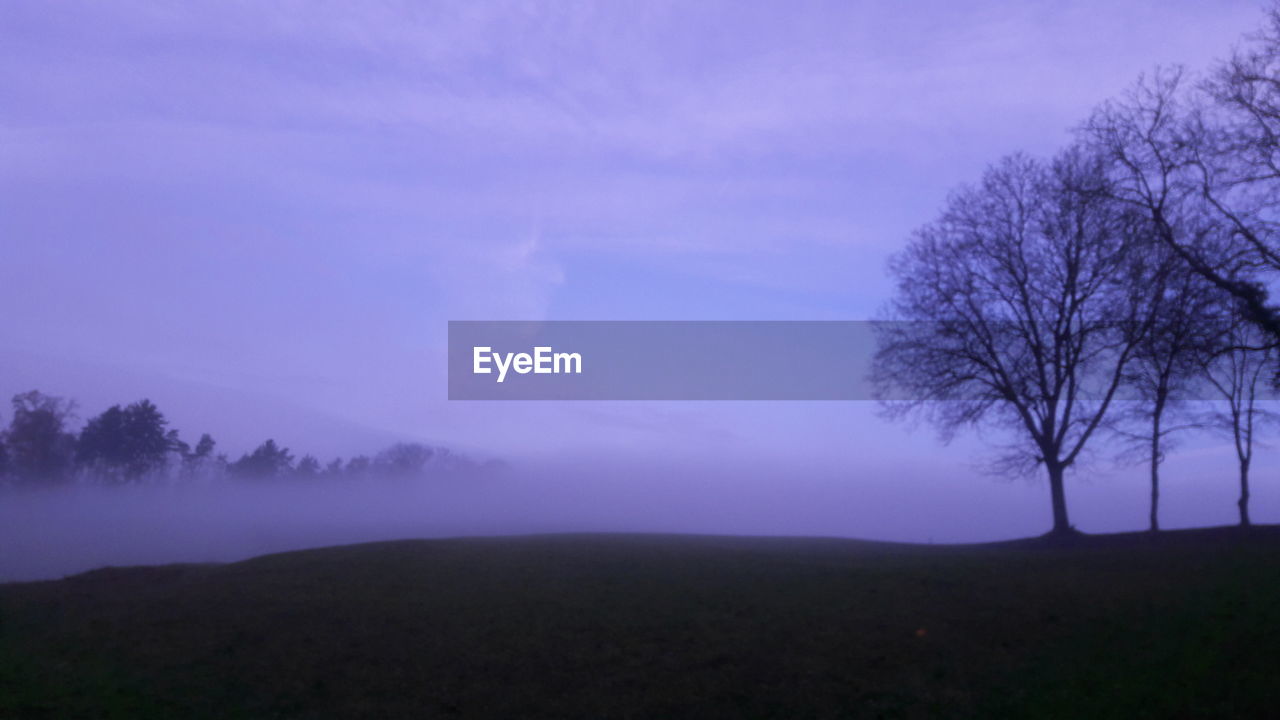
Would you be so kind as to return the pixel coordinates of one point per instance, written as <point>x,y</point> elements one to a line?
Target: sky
<point>262,215</point>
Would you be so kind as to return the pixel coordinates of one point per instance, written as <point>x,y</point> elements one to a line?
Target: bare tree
<point>1021,306</point>
<point>1237,374</point>
<point>1166,364</point>
<point>1169,158</point>
<point>1238,149</point>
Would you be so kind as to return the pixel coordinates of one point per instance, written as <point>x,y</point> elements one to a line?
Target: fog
<point>53,533</point>
<point>263,223</point>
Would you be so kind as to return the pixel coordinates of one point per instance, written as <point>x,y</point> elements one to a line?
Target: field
<point>652,626</point>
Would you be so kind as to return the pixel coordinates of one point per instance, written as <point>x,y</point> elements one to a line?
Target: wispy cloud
<point>236,188</point>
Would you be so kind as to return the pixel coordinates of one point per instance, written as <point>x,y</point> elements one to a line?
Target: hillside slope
<point>661,626</point>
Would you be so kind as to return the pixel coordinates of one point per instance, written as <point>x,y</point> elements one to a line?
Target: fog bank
<point>53,533</point>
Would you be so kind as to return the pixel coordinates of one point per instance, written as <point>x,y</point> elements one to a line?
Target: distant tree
<point>403,460</point>
<point>124,445</point>
<point>200,461</point>
<point>447,460</point>
<point>101,443</point>
<point>176,443</point>
<point>176,452</point>
<point>267,461</point>
<point>39,448</point>
<point>204,447</point>
<point>358,468</point>
<point>1238,374</point>
<point>308,468</point>
<point>1019,307</point>
<point>4,459</point>
<point>333,469</point>
<point>127,443</point>
<point>1167,362</point>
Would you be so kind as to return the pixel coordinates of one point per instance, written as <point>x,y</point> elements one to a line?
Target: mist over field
<point>263,223</point>
<point>532,359</point>
<point>51,533</point>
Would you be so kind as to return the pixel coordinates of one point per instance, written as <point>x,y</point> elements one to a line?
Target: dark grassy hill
<point>626,626</point>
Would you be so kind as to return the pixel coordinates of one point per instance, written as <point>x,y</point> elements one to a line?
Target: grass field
<point>623,626</point>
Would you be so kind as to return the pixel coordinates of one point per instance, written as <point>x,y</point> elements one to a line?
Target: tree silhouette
<point>40,450</point>
<point>4,460</point>
<point>125,444</point>
<point>403,460</point>
<point>267,461</point>
<point>358,468</point>
<point>333,469</point>
<point>1238,376</point>
<point>200,460</point>
<point>1170,158</point>
<point>1239,162</point>
<point>1167,361</point>
<point>308,468</point>
<point>128,443</point>
<point>1020,306</point>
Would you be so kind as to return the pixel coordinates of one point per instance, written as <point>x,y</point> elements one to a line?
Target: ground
<point>651,626</point>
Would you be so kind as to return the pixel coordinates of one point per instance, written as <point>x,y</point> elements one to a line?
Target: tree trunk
<point>1058,496</point>
<point>1155,492</point>
<point>1243,502</point>
<point>1155,469</point>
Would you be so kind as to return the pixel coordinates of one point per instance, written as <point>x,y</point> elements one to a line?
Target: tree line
<point>133,444</point>
<point>1118,289</point>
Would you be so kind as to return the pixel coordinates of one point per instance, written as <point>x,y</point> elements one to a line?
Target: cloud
<point>252,193</point>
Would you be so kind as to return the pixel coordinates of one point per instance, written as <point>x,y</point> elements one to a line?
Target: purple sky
<point>262,215</point>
